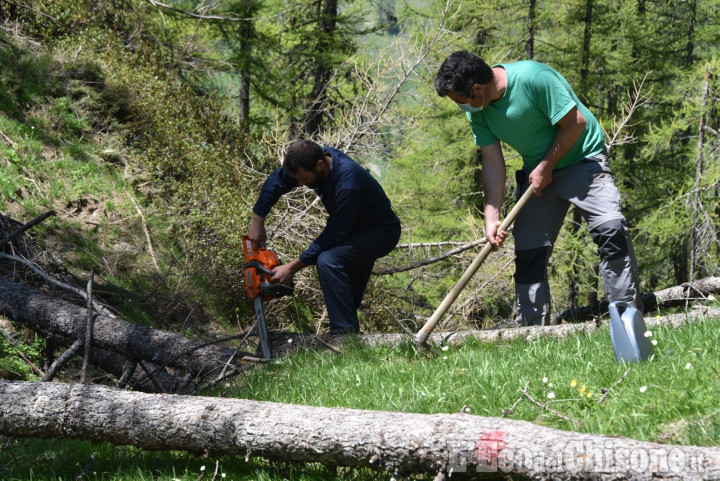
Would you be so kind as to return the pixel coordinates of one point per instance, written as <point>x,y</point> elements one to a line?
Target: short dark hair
<point>302,153</point>
<point>460,72</point>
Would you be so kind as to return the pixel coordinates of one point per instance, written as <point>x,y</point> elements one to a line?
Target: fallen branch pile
<point>119,347</point>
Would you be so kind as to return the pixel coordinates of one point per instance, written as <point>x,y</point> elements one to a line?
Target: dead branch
<point>431,260</point>
<point>62,360</point>
<point>605,392</point>
<point>25,227</point>
<point>89,320</point>
<point>636,100</point>
<point>548,408</point>
<point>151,251</point>
<point>511,409</point>
<point>6,140</point>
<point>420,245</point>
<point>42,14</point>
<point>99,307</point>
<point>157,4</point>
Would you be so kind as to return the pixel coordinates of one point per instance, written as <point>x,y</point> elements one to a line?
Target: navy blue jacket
<point>352,197</point>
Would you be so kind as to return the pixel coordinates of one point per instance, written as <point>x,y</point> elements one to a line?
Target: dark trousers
<point>344,271</point>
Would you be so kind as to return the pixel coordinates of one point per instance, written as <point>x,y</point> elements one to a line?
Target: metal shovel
<point>422,335</point>
<point>627,333</point>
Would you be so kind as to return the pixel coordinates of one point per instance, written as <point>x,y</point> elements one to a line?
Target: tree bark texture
<point>65,322</point>
<point>403,443</point>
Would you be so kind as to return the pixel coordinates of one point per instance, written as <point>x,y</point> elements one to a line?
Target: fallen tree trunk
<point>676,296</point>
<point>403,443</point>
<point>289,341</point>
<point>60,320</point>
<point>65,322</point>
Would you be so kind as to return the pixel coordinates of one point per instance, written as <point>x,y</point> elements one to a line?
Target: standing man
<point>361,226</point>
<point>532,108</point>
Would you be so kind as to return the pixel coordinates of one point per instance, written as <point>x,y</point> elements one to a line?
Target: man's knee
<point>530,265</point>
<point>326,263</point>
<point>611,239</point>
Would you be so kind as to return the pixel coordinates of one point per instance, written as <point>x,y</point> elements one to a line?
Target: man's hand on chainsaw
<point>257,232</point>
<point>284,273</point>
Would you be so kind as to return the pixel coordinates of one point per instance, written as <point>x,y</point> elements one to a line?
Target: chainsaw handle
<point>279,290</point>
<point>258,265</point>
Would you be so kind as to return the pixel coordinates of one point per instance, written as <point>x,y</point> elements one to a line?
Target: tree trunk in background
<point>585,62</point>
<point>245,36</point>
<point>696,199</point>
<point>690,55</point>
<point>679,258</point>
<point>462,445</point>
<point>530,43</point>
<point>323,70</point>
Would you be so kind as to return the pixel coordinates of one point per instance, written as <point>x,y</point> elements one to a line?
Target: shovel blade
<point>627,333</point>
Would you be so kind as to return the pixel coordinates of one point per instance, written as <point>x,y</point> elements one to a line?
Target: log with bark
<point>292,341</point>
<point>402,443</point>
<point>65,323</point>
<point>683,295</point>
<point>116,341</point>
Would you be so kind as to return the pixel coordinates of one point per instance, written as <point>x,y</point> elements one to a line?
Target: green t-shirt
<point>525,118</point>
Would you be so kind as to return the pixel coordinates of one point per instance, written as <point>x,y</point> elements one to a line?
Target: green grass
<point>47,460</point>
<point>568,375</point>
<point>672,399</point>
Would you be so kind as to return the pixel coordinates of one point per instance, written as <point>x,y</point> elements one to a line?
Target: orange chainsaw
<point>258,269</point>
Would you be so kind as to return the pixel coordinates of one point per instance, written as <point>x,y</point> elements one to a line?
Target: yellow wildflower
<point>573,383</point>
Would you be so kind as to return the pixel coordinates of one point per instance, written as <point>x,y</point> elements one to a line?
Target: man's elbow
<point>580,120</point>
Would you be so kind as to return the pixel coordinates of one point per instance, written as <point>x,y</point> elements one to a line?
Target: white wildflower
<point>550,395</point>
<point>643,388</point>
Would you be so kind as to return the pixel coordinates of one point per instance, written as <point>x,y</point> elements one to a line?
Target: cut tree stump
<point>461,445</point>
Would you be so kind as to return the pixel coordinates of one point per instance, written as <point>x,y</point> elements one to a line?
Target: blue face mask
<point>468,108</point>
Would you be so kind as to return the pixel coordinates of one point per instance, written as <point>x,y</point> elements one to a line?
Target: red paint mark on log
<point>489,446</point>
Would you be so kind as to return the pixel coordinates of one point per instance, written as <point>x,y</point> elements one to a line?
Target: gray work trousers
<point>590,186</point>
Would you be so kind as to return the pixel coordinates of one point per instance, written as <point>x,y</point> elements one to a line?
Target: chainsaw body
<point>257,272</point>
